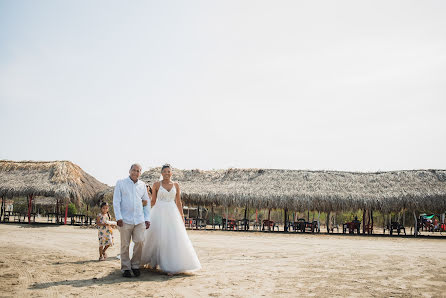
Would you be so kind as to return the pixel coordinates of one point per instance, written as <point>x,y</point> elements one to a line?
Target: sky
<point>316,85</point>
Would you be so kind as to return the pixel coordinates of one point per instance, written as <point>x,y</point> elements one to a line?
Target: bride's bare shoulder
<point>156,185</point>
<point>177,185</point>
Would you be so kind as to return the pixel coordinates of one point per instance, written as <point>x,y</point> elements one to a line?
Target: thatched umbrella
<point>312,190</point>
<point>61,180</point>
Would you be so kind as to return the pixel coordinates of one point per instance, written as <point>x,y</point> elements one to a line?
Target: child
<point>105,232</point>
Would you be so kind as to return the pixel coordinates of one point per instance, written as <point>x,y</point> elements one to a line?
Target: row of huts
<point>290,190</point>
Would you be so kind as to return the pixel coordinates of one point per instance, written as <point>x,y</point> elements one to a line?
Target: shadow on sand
<point>112,278</point>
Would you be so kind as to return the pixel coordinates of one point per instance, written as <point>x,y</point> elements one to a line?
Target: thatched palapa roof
<point>312,190</point>
<point>57,179</point>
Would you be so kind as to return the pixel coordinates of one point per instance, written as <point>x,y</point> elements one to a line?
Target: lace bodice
<point>166,196</point>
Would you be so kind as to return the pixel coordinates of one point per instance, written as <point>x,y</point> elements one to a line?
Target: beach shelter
<point>62,180</point>
<point>322,191</point>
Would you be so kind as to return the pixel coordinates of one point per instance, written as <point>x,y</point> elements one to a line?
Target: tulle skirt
<point>166,243</point>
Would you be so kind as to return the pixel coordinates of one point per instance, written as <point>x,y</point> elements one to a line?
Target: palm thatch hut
<point>61,180</point>
<point>323,191</point>
<point>312,190</point>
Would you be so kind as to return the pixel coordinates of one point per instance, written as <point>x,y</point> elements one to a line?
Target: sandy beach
<point>55,261</point>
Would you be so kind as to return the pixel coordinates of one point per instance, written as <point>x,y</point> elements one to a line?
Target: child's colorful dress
<point>105,233</point>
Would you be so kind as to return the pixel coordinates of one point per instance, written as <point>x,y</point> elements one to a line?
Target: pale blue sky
<point>341,85</point>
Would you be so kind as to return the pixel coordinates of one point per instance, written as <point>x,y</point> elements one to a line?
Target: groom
<point>132,215</point>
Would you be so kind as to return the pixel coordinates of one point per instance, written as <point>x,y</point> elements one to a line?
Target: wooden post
<point>318,222</point>
<point>213,223</point>
<point>3,209</point>
<point>327,222</point>
<point>371,218</point>
<point>416,224</point>
<point>30,204</point>
<point>285,227</point>
<point>226,223</point>
<point>66,214</point>
<point>269,219</point>
<point>363,221</point>
<point>308,216</point>
<point>57,211</point>
<point>197,218</point>
<point>244,219</point>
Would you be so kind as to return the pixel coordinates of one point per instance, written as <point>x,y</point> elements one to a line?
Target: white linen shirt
<point>127,201</point>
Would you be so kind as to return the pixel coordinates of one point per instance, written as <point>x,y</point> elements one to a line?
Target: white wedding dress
<point>166,243</point>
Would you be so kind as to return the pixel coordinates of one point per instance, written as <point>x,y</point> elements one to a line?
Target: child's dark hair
<point>165,166</point>
<point>105,204</point>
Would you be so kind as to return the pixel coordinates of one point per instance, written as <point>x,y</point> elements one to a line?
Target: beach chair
<point>369,229</point>
<point>334,227</point>
<point>271,225</point>
<point>311,227</point>
<point>300,225</point>
<point>6,216</point>
<point>257,225</point>
<point>230,225</point>
<point>243,224</point>
<point>398,227</point>
<point>351,227</point>
<point>17,217</point>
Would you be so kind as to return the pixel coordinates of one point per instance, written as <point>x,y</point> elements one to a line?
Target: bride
<point>166,243</point>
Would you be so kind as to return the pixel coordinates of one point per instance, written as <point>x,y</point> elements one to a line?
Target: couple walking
<point>159,239</point>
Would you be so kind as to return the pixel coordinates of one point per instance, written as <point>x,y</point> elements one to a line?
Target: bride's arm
<point>155,189</point>
<point>178,200</point>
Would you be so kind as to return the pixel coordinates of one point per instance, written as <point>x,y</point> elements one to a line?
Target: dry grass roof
<point>57,179</point>
<point>423,190</point>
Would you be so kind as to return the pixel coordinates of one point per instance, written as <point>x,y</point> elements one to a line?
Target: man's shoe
<point>136,272</point>
<point>127,273</point>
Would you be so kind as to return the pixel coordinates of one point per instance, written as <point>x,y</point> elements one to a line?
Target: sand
<point>53,261</point>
